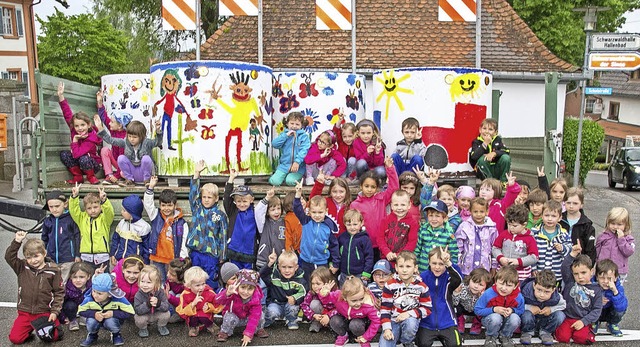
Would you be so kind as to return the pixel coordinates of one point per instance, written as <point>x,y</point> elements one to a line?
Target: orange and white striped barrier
<point>179,14</point>
<point>333,14</point>
<point>238,7</point>
<point>457,10</point>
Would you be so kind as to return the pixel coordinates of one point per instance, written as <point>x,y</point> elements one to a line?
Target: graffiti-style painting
<point>450,104</point>
<point>213,111</point>
<point>127,96</point>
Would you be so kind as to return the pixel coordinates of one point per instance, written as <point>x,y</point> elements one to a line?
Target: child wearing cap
<point>242,306</point>
<point>131,233</point>
<point>435,233</point>
<point>243,230</point>
<point>380,275</point>
<point>110,154</point>
<point>60,233</point>
<point>40,288</point>
<point>103,308</point>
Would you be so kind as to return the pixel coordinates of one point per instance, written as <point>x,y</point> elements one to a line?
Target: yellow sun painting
<point>391,88</point>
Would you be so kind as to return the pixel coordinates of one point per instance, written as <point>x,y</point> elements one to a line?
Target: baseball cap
<point>437,205</point>
<point>242,191</point>
<point>53,195</point>
<point>382,265</point>
<point>45,330</point>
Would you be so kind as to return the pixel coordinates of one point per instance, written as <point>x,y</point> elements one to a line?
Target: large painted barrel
<point>449,103</point>
<point>216,111</point>
<point>127,97</point>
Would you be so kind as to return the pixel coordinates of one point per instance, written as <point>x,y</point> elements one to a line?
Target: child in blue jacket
<point>60,233</point>
<point>242,244</point>
<point>355,256</point>
<point>293,144</point>
<point>613,298</point>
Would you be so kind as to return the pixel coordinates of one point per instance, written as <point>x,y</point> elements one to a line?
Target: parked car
<point>625,168</point>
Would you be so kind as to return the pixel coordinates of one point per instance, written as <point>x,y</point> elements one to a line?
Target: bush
<point>600,166</point>
<point>601,158</point>
<point>592,137</point>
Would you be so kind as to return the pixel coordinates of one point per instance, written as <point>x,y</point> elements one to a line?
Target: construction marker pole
<point>478,34</point>
<point>353,36</point>
<point>260,38</point>
<point>198,30</point>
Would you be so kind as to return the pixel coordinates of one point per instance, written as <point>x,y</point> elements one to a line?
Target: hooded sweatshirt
<point>209,226</point>
<point>293,149</point>
<point>280,288</point>
<point>116,151</point>
<point>133,153</point>
<point>94,232</point>
<point>318,244</point>
<point>522,247</point>
<point>618,302</point>
<point>347,151</point>
<point>356,255</point>
<point>584,231</point>
<point>130,238</point>
<point>372,159</point>
<point>555,303</point>
<point>87,146</point>
<point>491,298</point>
<point>609,246</point>
<point>186,311</point>
<point>398,234</point>
<point>584,302</point>
<point>475,243</point>
<point>142,301</point>
<point>168,236</point>
<point>498,208</point>
<point>129,289</point>
<point>441,289</point>
<point>406,151</point>
<point>250,309</point>
<point>73,294</point>
<point>61,237</point>
<point>272,233</point>
<point>366,310</point>
<point>242,241</point>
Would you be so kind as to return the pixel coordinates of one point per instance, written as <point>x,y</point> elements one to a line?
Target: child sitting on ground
<point>243,230</point>
<point>410,151</point>
<point>198,302</point>
<point>132,232</point>
<point>286,288</point>
<point>466,296</point>
<point>126,274</point>
<point>174,284</point>
<point>323,156</point>
<point>60,233</point>
<point>614,300</point>
<point>293,144</point>
<point>543,307</point>
<point>150,303</point>
<point>489,156</point>
<point>316,305</point>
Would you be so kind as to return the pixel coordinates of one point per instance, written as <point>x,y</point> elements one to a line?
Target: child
<point>442,278</point>
<point>345,135</point>
<point>553,242</point>
<point>338,200</point>
<point>558,190</point>
<point>324,157</point>
<point>355,252</point>
<point>60,233</point>
<point>500,308</point>
<point>578,224</point>
<point>516,246</point>
<point>207,237</point>
<point>198,302</point>
<point>369,150</point>
<point>83,157</point>
<point>491,190</point>
<point>464,195</point>
<point>535,202</point>
<point>242,307</point>
<point>410,150</point>
<point>316,305</point>
<point>127,274</point>
<point>445,193</point>
<point>243,230</point>
<point>616,242</point>
<point>132,232</point>
<point>435,233</point>
<point>174,285</point>
<point>466,296</point>
<point>150,303</point>
<point>103,309</point>
<point>293,144</point>
<point>584,299</point>
<point>400,230</point>
<point>405,300</point>
<point>614,300</point>
<point>228,274</point>
<point>286,289</point>
<point>380,275</point>
<point>94,224</point>
<point>292,226</point>
<point>78,285</point>
<point>475,239</point>
<point>372,204</point>
<point>110,154</point>
<point>543,307</point>
<point>410,183</point>
<point>489,156</point>
<point>169,230</point>
<point>40,288</point>
<point>318,245</point>
<point>525,189</point>
<point>354,307</point>
<point>270,227</point>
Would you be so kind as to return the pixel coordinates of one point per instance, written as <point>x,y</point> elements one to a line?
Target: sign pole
<point>260,38</point>
<point>353,36</point>
<point>198,30</point>
<point>583,84</point>
<point>478,34</point>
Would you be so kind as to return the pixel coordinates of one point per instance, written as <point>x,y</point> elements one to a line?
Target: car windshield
<point>633,155</point>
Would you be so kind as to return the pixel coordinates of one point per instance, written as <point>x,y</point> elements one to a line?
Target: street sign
<point>614,61</point>
<point>598,90</point>
<point>615,42</point>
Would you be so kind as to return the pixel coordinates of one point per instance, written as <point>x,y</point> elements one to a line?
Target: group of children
<point>440,254</point>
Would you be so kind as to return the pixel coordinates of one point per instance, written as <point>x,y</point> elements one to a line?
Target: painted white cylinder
<point>128,96</point>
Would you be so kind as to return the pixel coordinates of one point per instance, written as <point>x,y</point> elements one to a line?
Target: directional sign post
<point>615,42</point>
<point>614,61</point>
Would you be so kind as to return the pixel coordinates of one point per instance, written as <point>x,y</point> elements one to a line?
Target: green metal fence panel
<point>527,153</point>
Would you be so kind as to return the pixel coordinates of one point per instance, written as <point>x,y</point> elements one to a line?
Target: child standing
<point>324,157</point>
<point>169,230</point>
<point>400,230</point>
<point>83,157</point>
<point>286,288</point>
<point>198,302</point>
<point>475,239</point>
<point>207,237</point>
<point>435,233</point>
<point>369,150</point>
<point>491,190</point>
<point>338,200</point>
<point>410,183</point>
<point>78,284</point>
<point>410,151</point>
<point>110,154</point>
<point>345,135</point>
<point>40,288</point>
<point>553,242</point>
<point>535,202</point>
<point>464,195</point>
<point>466,296</point>
<point>580,227</point>
<point>317,305</point>
<point>94,224</point>
<point>354,308</point>
<point>132,232</point>
<point>150,303</point>
<point>616,242</point>
<point>243,230</point>
<point>380,275</point>
<point>293,144</point>
<point>405,300</point>
<point>500,308</point>
<point>60,233</point>
<point>292,226</point>
<point>355,255</point>
<point>489,156</point>
<point>270,227</point>
<point>516,246</point>
<point>614,300</point>
<point>543,307</point>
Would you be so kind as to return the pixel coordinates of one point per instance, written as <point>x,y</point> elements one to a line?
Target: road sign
<point>615,42</point>
<point>614,61</point>
<point>598,91</point>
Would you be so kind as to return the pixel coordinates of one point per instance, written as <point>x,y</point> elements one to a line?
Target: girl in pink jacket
<point>491,190</point>
<point>354,306</point>
<point>369,149</point>
<point>324,156</point>
<point>616,242</point>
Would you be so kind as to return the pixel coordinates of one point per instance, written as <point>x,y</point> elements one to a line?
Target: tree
<point>80,48</point>
<point>561,29</point>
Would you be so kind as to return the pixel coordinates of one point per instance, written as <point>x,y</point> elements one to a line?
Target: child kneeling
<point>543,307</point>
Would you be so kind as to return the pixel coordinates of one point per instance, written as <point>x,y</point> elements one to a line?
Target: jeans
<point>209,264</point>
<point>403,166</point>
<point>611,316</point>
<point>341,325</point>
<point>362,166</point>
<point>276,310</point>
<point>111,324</point>
<point>403,332</point>
<point>496,324</point>
<point>546,324</point>
<point>351,167</point>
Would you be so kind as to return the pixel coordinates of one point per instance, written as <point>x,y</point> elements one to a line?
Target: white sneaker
<point>309,181</point>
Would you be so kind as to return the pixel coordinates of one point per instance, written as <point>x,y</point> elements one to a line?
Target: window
<point>614,110</point>
<point>589,106</point>
<point>10,22</point>
<point>635,76</point>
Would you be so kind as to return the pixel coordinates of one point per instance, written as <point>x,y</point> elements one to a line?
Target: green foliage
<point>600,166</point>
<point>80,48</point>
<point>592,138</point>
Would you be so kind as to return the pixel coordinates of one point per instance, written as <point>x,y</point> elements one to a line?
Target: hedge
<point>592,138</point>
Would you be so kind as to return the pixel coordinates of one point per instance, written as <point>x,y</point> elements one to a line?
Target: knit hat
<point>133,205</point>
<point>523,183</point>
<point>250,277</point>
<point>465,192</point>
<point>123,118</point>
<point>102,283</point>
<point>227,271</point>
<point>382,265</point>
<point>53,195</point>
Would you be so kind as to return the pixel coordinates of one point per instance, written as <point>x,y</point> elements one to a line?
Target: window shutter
<point>19,22</point>
<point>1,21</point>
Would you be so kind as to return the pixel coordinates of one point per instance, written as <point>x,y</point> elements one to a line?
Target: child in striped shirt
<point>552,240</point>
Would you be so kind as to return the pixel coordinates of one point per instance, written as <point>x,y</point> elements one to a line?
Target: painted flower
<point>279,128</point>
<point>312,118</point>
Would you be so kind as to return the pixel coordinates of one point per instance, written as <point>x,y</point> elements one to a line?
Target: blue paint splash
<point>352,117</point>
<point>289,74</point>
<point>377,116</point>
<point>332,75</point>
<point>328,91</point>
<point>351,79</point>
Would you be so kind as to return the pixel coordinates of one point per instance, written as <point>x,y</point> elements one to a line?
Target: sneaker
<point>461,322</point>
<point>223,337</point>
<point>547,339</point>
<point>614,329</point>
<point>595,326</point>
<point>90,340</point>
<point>408,344</point>
<point>506,341</point>
<point>342,340</point>
<point>73,325</point>
<point>82,321</point>
<point>490,341</point>
<point>117,339</point>
<point>476,327</point>
<point>292,325</point>
<point>365,344</point>
<point>309,181</point>
<point>315,327</point>
<point>143,333</point>
<point>163,330</point>
<point>261,333</point>
<point>525,338</point>
<point>213,329</point>
<point>194,331</point>
<point>109,180</point>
